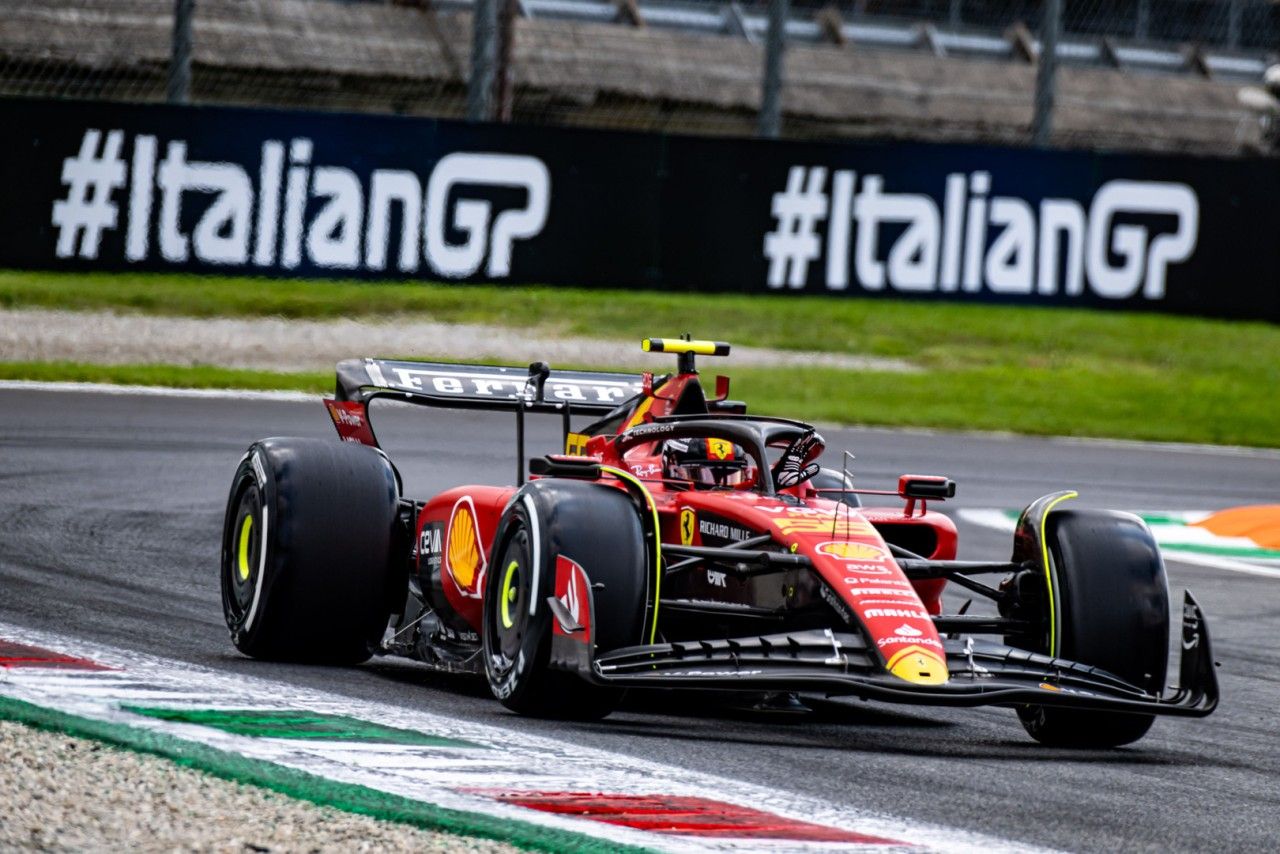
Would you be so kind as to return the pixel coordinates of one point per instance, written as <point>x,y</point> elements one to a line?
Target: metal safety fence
<point>1188,75</point>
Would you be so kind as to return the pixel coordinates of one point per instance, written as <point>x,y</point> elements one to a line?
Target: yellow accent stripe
<point>1048,575</point>
<point>657,542</point>
<point>245,528</point>
<point>637,417</point>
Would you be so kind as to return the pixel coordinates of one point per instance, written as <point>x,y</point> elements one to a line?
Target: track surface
<point>111,508</point>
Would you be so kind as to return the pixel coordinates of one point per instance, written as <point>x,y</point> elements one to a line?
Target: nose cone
<point>919,666</point>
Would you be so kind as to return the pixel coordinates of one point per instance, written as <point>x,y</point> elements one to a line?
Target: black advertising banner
<point>274,193</point>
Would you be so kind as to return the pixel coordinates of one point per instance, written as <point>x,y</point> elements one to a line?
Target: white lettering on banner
<point>975,240</point>
<point>325,214</point>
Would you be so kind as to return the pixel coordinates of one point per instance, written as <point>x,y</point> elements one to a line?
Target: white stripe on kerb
<point>510,758</point>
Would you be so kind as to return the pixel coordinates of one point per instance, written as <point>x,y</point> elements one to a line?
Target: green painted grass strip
<point>1224,551</point>
<point>307,787</point>
<point>278,723</point>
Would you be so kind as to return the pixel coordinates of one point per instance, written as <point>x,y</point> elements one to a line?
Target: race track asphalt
<point>111,508</point>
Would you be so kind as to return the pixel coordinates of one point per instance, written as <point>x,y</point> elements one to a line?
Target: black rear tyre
<point>307,549</point>
<point>1112,604</point>
<point>599,529</point>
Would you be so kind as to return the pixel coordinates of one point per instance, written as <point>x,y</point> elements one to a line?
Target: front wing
<point>982,672</point>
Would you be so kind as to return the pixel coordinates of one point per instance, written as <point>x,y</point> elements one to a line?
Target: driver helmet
<point>708,463</point>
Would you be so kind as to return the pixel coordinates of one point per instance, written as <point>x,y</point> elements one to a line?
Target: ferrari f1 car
<point>679,542</point>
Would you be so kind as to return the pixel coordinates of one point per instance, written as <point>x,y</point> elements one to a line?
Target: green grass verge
<point>307,787</point>
<point>1028,370</point>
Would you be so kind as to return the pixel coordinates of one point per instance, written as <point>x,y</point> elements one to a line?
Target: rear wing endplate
<point>484,386</point>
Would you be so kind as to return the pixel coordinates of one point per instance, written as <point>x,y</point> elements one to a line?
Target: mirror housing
<point>926,487</point>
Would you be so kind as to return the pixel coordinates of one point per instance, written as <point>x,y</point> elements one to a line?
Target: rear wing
<point>492,387</point>
<point>533,389</point>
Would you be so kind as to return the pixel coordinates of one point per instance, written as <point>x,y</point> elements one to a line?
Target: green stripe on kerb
<point>300,725</point>
<point>1223,551</point>
<point>308,787</point>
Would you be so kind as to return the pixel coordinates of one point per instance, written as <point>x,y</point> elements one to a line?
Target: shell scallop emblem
<point>464,555</point>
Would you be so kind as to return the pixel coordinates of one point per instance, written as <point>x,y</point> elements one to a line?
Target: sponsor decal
<point>571,590</point>
<point>907,631</point>
<point>853,551</point>
<point>259,471</point>
<point>864,592</point>
<point>479,383</point>
<point>464,553</point>
<point>643,430</point>
<point>854,581</point>
<point>975,241</point>
<point>904,598</point>
<point>910,613</point>
<point>289,206</point>
<point>722,530</point>
<point>716,578</point>
<point>719,449</point>
<point>430,553</point>
<point>345,418</point>
<point>688,525</point>
<point>646,470</point>
<point>841,526</point>
<point>575,444</point>
<point>898,640</point>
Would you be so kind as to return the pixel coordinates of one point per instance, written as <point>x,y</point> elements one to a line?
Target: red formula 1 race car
<point>680,542</point>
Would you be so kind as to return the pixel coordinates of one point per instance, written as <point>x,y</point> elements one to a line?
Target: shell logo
<point>852,551</point>
<point>464,554</point>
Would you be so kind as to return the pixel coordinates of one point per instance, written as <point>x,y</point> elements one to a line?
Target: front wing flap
<point>981,672</point>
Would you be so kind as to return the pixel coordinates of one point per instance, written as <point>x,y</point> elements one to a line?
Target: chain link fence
<point>1143,74</point>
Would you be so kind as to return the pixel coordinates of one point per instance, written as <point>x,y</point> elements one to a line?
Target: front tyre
<point>599,529</point>
<point>307,548</point>
<point>1111,611</point>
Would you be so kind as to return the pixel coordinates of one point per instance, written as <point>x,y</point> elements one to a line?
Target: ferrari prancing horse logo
<point>688,525</point>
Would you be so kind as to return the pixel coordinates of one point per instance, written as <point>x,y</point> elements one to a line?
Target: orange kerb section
<point>1258,522</point>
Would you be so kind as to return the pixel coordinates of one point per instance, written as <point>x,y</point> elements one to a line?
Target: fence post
<point>1046,68</point>
<point>178,86</point>
<point>504,86</point>
<point>771,94</point>
<point>480,85</point>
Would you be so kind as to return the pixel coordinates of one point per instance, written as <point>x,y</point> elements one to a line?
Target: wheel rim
<point>244,554</point>
<point>509,624</point>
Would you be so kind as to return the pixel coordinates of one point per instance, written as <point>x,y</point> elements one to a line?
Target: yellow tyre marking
<point>657,541</point>
<point>508,595</point>
<point>243,564</point>
<point>1048,574</point>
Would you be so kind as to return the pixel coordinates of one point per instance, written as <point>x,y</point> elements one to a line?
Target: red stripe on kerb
<point>21,655</point>
<point>684,816</point>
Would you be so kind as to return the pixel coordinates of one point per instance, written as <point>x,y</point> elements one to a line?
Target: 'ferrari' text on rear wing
<point>482,386</point>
